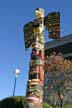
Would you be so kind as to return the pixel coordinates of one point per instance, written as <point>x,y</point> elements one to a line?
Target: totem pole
<point>34,36</point>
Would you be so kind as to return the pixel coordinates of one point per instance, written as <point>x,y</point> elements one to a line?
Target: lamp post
<point>16,72</point>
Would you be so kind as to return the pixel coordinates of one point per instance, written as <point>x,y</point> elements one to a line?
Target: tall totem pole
<point>34,36</point>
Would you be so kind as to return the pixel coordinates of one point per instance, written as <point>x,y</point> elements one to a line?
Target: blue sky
<point>14,14</point>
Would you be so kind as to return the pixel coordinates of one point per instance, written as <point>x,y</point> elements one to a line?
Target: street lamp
<point>16,72</point>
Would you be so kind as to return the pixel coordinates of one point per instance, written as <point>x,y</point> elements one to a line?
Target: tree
<point>58,73</point>
<point>13,102</point>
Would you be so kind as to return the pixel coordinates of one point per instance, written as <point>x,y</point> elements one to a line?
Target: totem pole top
<point>51,22</point>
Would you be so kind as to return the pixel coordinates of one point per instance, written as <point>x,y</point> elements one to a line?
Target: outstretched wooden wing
<point>52,23</point>
<point>28,34</point>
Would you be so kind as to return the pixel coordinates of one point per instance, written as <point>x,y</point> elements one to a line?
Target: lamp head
<point>16,72</point>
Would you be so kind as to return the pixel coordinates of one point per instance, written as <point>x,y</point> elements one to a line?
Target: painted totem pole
<point>34,36</point>
<point>34,93</point>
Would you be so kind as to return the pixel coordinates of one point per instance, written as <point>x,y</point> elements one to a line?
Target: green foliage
<point>13,102</point>
<point>65,106</point>
<point>19,102</point>
<point>46,105</point>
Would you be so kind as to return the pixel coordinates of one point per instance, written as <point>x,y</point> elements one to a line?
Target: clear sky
<point>14,14</point>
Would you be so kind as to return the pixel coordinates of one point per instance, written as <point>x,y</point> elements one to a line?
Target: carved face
<point>39,12</point>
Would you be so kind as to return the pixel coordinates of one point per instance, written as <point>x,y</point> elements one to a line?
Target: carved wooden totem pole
<point>34,36</point>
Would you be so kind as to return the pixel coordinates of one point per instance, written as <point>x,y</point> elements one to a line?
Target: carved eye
<point>34,76</point>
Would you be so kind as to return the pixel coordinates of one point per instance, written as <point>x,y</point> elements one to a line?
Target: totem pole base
<point>33,105</point>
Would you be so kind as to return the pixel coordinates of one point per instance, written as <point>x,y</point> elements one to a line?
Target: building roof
<point>64,45</point>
